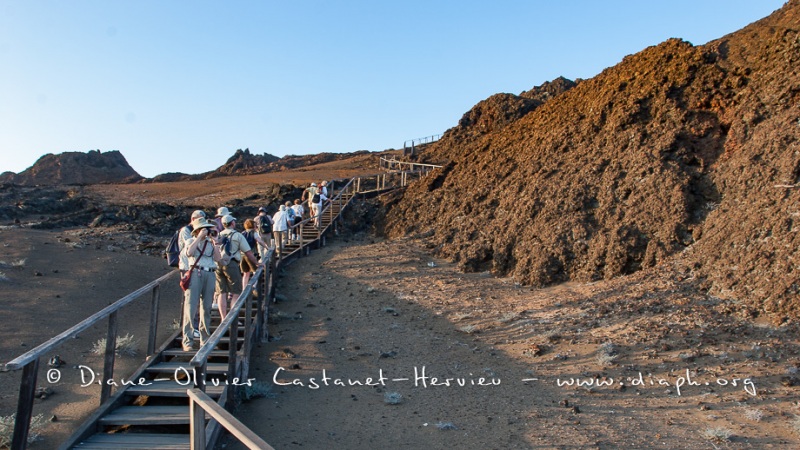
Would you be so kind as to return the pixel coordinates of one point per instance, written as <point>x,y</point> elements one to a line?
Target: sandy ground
<point>52,281</point>
<point>382,319</point>
<point>661,367</point>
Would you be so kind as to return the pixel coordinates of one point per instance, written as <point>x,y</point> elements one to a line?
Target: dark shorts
<point>246,266</point>
<point>229,278</point>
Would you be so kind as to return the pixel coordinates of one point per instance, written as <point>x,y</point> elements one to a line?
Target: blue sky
<point>178,86</point>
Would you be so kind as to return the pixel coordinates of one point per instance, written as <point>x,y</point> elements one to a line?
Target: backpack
<point>225,246</point>
<point>263,225</point>
<point>250,236</point>
<point>173,250</point>
<point>315,199</point>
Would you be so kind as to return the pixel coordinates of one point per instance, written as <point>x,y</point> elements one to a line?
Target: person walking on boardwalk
<point>311,193</point>
<point>202,255</point>
<point>253,239</point>
<point>263,223</point>
<point>229,274</point>
<point>299,211</point>
<point>183,260</point>
<point>280,225</point>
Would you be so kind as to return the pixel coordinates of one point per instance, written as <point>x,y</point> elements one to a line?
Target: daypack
<point>250,236</point>
<point>263,225</point>
<point>173,250</point>
<point>315,199</point>
<point>225,245</point>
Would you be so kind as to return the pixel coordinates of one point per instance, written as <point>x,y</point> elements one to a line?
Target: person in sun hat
<point>263,223</point>
<point>183,260</point>
<point>203,256</point>
<point>229,273</point>
<point>221,212</point>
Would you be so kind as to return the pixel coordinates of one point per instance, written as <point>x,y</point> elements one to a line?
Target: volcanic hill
<point>683,157</point>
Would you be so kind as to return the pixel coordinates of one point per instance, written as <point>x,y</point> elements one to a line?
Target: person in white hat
<point>229,273</point>
<point>203,255</point>
<point>183,260</point>
<point>309,193</point>
<point>221,212</point>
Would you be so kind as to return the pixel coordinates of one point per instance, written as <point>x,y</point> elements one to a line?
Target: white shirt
<point>280,222</point>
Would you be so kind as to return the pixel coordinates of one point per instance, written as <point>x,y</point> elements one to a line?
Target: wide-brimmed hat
<point>261,208</point>
<point>228,219</point>
<point>223,211</point>
<point>313,184</point>
<point>200,223</point>
<point>197,214</point>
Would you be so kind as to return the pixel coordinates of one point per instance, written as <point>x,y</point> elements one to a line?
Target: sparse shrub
<point>468,329</point>
<point>754,414</point>
<point>7,429</point>
<point>508,317</point>
<point>796,424</point>
<point>718,434</point>
<point>125,346</point>
<point>606,360</point>
<point>461,316</point>
<point>392,398</point>
<point>446,426</point>
<point>259,389</point>
<point>607,354</point>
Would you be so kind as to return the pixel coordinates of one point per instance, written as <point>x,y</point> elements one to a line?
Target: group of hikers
<point>216,260</point>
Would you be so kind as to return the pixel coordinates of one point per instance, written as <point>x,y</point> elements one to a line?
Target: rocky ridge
<point>678,151</point>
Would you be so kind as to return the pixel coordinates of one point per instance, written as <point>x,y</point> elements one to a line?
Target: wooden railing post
<point>151,340</point>
<point>234,337</point>
<point>108,363</point>
<point>27,390</point>
<point>197,426</point>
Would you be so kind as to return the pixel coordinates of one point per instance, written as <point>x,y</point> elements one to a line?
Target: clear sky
<point>178,86</point>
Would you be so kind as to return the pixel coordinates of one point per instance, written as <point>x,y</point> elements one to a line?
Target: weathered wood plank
<point>136,441</point>
<point>171,367</point>
<point>147,415</point>
<point>170,388</point>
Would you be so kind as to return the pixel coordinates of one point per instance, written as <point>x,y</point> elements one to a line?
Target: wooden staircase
<point>153,413</point>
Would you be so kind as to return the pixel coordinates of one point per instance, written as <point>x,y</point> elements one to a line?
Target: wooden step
<point>171,388</point>
<point>179,352</point>
<point>147,415</point>
<point>136,441</point>
<point>171,367</point>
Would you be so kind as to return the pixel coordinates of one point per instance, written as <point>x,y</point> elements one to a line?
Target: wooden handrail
<point>200,402</point>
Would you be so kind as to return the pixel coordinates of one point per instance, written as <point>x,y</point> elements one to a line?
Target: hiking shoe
<point>196,334</point>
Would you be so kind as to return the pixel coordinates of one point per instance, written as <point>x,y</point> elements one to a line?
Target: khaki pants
<point>202,287</point>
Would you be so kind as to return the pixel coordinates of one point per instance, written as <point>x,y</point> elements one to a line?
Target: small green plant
<point>126,346</point>
<point>7,429</point>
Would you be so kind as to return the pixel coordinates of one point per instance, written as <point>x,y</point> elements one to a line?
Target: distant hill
<point>678,150</point>
<point>244,163</point>
<point>75,168</point>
